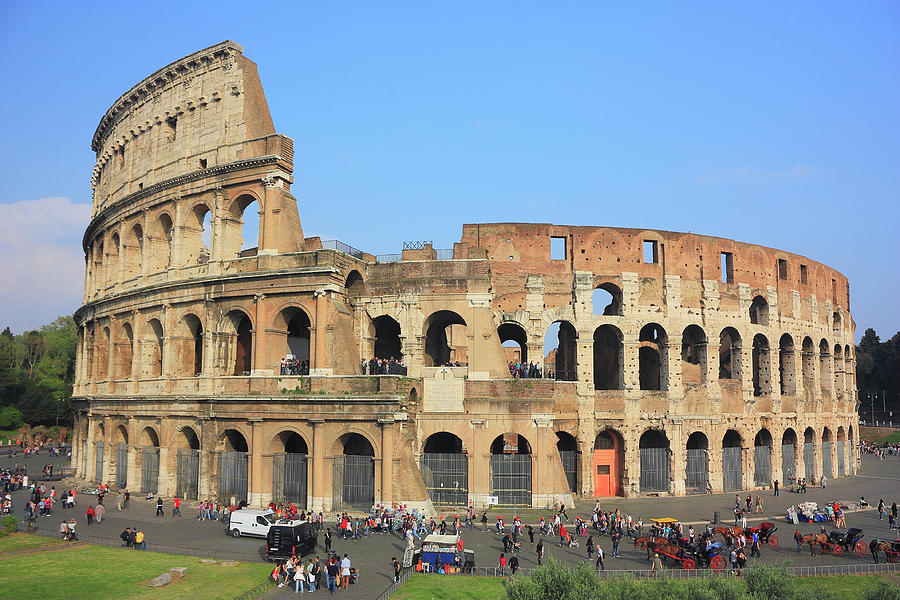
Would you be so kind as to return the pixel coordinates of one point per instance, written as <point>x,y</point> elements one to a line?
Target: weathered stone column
<point>317,488</point>
<point>387,461</point>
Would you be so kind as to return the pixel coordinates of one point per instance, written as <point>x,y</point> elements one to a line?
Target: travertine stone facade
<point>711,364</point>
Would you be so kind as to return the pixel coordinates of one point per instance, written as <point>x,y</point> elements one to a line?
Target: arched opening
<point>248,213</point>
<point>852,449</point>
<point>838,371</point>
<point>91,350</point>
<point>154,349</point>
<point>446,340</point>
<point>240,330</point>
<point>609,464</point>
<point>696,472</point>
<point>515,347</point>
<point>161,243</point>
<point>354,473</point>
<point>849,382</point>
<point>187,480</point>
<point>732,463</point>
<point>387,338</point>
<point>787,372</point>
<point>841,451</point>
<point>808,352</point>
<point>567,446</point>
<point>809,454</point>
<point>120,435</point>
<point>354,285</point>
<point>289,468</point>
<point>112,260</point>
<point>730,354</point>
<point>445,469</point>
<point>606,300</point>
<point>133,251</point>
<point>233,463</point>
<point>511,470</point>
<point>652,357</point>
<point>196,235</point>
<point>762,458</point>
<point>825,377</point>
<point>560,357</point>
<point>103,357</point>
<point>608,358</point>
<point>655,458</point>
<point>98,455</point>
<point>759,311</point>
<point>293,323</point>
<point>836,321</point>
<point>693,355</point>
<point>99,276</point>
<point>191,363</point>
<point>788,456</point>
<point>762,381</point>
<point>124,352</point>
<point>826,454</point>
<point>149,460</point>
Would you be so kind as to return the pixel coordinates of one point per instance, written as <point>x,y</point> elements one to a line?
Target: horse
<point>733,531</point>
<point>813,539</point>
<point>876,546</point>
<point>656,544</point>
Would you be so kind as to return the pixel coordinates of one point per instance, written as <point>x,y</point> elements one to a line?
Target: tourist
<point>159,506</point>
<point>656,565</point>
<point>99,511</point>
<point>332,573</point>
<point>540,552</point>
<point>599,564</point>
<point>89,513</point>
<point>176,507</point>
<point>345,572</point>
<point>501,566</point>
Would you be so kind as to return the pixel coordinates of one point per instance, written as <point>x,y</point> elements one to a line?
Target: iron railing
<point>388,258</point>
<point>416,245</point>
<point>257,592</point>
<point>342,247</point>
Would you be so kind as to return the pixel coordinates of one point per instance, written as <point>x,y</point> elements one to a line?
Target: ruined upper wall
<point>191,115</point>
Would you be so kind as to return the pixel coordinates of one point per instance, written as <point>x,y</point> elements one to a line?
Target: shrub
<point>882,590</point>
<point>770,583</point>
<point>10,418</point>
<point>9,523</point>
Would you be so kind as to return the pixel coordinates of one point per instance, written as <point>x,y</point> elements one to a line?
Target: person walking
<point>176,507</point>
<point>656,565</point>
<point>776,487</point>
<point>99,511</point>
<point>540,552</point>
<point>599,564</point>
<point>333,572</point>
<point>799,539</point>
<point>501,566</point>
<point>881,509</point>
<point>89,513</point>
<point>396,567</point>
<point>754,546</point>
<point>159,505</point>
<point>616,538</point>
<point>345,572</point>
<point>513,564</point>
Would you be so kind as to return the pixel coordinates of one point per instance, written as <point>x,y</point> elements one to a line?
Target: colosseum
<point>530,364</point>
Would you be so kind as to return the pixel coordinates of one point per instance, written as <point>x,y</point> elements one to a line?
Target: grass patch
<point>892,438</point>
<point>24,541</point>
<point>442,587</point>
<point>91,572</point>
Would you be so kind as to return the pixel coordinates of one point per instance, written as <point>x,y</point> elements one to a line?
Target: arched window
<point>732,463</point>
<point>196,236</point>
<point>238,325</point>
<point>154,353</point>
<point>387,338</point>
<point>161,243</point>
<point>693,355</point>
<point>730,354</point>
<point>567,446</point>
<point>608,358</point>
<point>607,300</point>
<point>808,356</point>
<point>787,372</point>
<point>191,363</point>
<point>511,469</point>
<point>124,352</point>
<point>514,341</point>
<point>355,285</point>
<point>762,382</point>
<point>560,352</point>
<point>825,377</point>
<point>134,252</point>
<point>652,357</point>
<point>445,469</point>
<point>762,458</point>
<point>654,449</point>
<point>112,260</point>
<point>446,339</point>
<point>759,311</point>
<point>697,468</point>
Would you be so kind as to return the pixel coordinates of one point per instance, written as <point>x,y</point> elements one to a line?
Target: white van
<point>251,522</point>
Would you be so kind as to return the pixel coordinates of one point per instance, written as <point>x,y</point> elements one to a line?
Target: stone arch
<point>841,451</point>
<point>133,251</point>
<point>655,461</point>
<point>120,435</point>
<point>567,446</point>
<point>445,468</point>
<point>292,324</point>
<point>789,455</point>
<point>354,455</point>
<point>355,285</point>
<point>609,351</point>
<point>606,299</point>
<point>730,354</point>
<point>609,464</point>
<point>242,226</point>
<point>124,351</point>
<point>188,439</point>
<point>827,442</point>
<point>513,335</point>
<point>443,442</point>
<point>652,357</point>
<point>762,377</point>
<point>148,437</point>
<point>759,311</point>
<point>693,355</point>
<point>197,235</point>
<point>355,443</point>
<point>98,276</point>
<point>808,350</point>
<point>510,443</point>
<point>233,440</point>
<point>238,325</point>
<point>153,342</point>
<point>809,454</point>
<point>836,321</point>
<point>160,243</point>
<point>233,464</point>
<point>511,469</point>
<point>561,357</point>
<point>762,457</point>
<point>190,363</point>
<point>446,339</point>
<point>732,461</point>
<point>289,441</point>
<point>838,370</point>
<point>787,370</point>
<point>696,472</point>
<point>825,376</point>
<point>387,338</point>
<point>112,259</point>
<point>104,352</point>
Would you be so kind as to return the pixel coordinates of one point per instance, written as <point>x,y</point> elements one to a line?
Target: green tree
<point>10,418</point>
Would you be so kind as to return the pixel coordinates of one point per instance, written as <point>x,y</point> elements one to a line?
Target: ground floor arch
<point>788,456</point>
<point>149,448</point>
<point>290,468</point>
<point>655,461</point>
<point>608,464</point>
<point>696,472</point>
<point>187,468</point>
<point>511,471</point>
<point>732,461</point>
<point>445,469</point>
<point>353,482</point>
<point>809,454</point>
<point>233,467</point>
<point>567,446</point>
<point>762,458</point>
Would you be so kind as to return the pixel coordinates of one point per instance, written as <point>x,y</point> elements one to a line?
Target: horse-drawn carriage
<point>713,557</point>
<point>686,557</point>
<point>890,548</point>
<point>849,541</point>
<point>766,532</point>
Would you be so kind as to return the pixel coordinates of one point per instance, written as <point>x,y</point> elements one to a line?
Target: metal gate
<point>732,472</point>
<point>842,459</point>
<point>98,463</point>
<point>826,459</point>
<point>188,478</point>
<point>511,479</point>
<point>788,463</point>
<point>762,462</point>
<point>289,478</point>
<point>446,477</point>
<point>654,469</point>
<point>122,465</point>
<point>696,471</point>
<point>232,476</point>
<point>809,460</point>
<point>150,469</point>
<point>353,484</point>
<point>569,460</point>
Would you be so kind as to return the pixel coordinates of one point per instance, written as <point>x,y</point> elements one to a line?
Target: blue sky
<point>768,124</point>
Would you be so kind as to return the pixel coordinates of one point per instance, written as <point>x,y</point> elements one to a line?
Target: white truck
<point>254,523</point>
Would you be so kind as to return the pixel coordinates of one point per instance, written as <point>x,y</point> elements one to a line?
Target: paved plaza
<point>372,555</point>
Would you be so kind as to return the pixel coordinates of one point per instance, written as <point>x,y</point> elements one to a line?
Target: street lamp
<point>58,400</point>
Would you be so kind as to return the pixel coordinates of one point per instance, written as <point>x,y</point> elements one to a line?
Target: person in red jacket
<point>176,506</point>
<point>562,535</point>
<point>89,513</point>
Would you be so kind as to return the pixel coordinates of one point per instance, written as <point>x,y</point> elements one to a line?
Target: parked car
<point>284,541</point>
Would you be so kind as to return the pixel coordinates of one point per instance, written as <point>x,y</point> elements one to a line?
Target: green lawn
<point>92,572</point>
<point>23,541</point>
<point>892,438</point>
<point>443,587</point>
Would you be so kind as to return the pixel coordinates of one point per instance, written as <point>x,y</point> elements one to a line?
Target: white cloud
<point>43,263</point>
<point>753,174</point>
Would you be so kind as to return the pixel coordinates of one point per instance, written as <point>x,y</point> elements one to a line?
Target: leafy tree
<point>10,418</point>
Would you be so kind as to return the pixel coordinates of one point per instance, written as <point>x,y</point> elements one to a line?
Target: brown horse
<point>876,546</point>
<point>733,531</point>
<point>656,544</point>
<point>813,539</point>
<point>647,542</point>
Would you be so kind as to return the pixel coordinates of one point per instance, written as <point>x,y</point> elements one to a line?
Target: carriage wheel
<point>861,549</point>
<point>688,564</point>
<point>838,550</point>
<point>773,542</point>
<point>892,556</point>
<point>717,563</point>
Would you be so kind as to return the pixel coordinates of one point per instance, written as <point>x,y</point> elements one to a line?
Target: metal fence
<point>446,477</point>
<point>732,472</point>
<point>841,459</point>
<point>809,460</point>
<point>404,575</point>
<point>98,463</point>
<point>511,479</point>
<point>257,592</point>
<point>569,460</point>
<point>188,474</point>
<point>232,475</point>
<point>788,462</point>
<point>444,254</point>
<point>354,482</point>
<point>826,459</point>
<point>289,477</point>
<point>388,258</point>
<point>696,470</point>
<point>149,469</point>
<point>121,465</point>
<point>342,247</point>
<point>654,469</point>
<point>762,463</point>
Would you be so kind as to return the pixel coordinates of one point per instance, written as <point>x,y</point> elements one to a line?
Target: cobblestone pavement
<point>876,479</point>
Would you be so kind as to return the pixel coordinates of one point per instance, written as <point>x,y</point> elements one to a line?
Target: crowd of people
<point>521,370</point>
<point>382,366</point>
<point>293,366</point>
<point>332,574</point>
